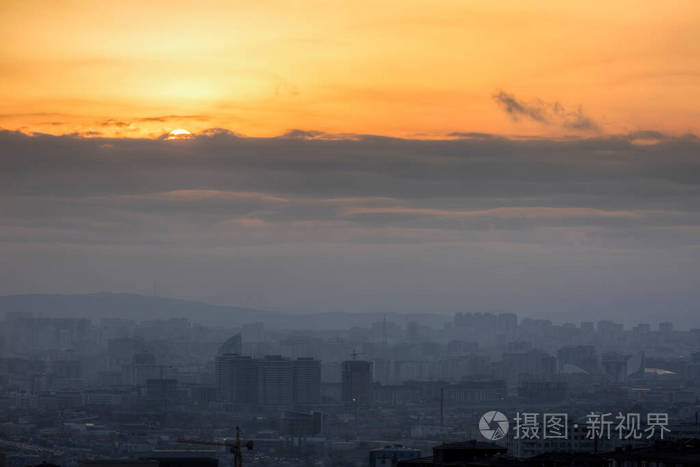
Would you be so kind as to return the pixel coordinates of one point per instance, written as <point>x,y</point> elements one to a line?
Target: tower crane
<point>234,447</point>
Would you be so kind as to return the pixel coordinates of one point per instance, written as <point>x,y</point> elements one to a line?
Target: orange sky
<point>402,68</point>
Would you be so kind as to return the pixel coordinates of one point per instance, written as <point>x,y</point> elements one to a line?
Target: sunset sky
<point>400,68</point>
<point>531,156</point>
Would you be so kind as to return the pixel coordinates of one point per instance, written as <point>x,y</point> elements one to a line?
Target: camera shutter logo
<point>493,425</point>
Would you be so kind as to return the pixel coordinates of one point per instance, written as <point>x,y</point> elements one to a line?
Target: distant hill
<point>128,306</point>
<point>140,307</point>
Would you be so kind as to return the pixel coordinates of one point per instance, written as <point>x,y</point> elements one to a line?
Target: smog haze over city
<point>360,232</point>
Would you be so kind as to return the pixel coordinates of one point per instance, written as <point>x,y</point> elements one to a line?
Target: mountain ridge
<point>105,305</point>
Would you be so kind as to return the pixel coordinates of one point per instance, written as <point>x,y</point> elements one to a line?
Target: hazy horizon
<point>309,222</point>
<point>89,305</point>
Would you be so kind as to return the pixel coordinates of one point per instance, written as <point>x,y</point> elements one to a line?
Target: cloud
<point>214,132</point>
<point>473,135</point>
<point>318,135</point>
<point>363,221</point>
<point>465,185</point>
<point>545,113</point>
<point>112,122</point>
<point>251,222</point>
<point>518,109</point>
<point>577,120</point>
<point>166,118</point>
<point>129,123</point>
<point>204,195</point>
<point>645,137</point>
<point>526,212</point>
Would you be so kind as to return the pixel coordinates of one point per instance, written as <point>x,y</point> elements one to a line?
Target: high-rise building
<point>581,356</point>
<point>233,344</point>
<point>270,381</point>
<point>357,382</point>
<point>275,381</point>
<point>306,381</point>
<point>236,379</point>
<point>615,366</point>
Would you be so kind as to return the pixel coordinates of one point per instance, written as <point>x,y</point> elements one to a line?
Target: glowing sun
<point>179,133</point>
